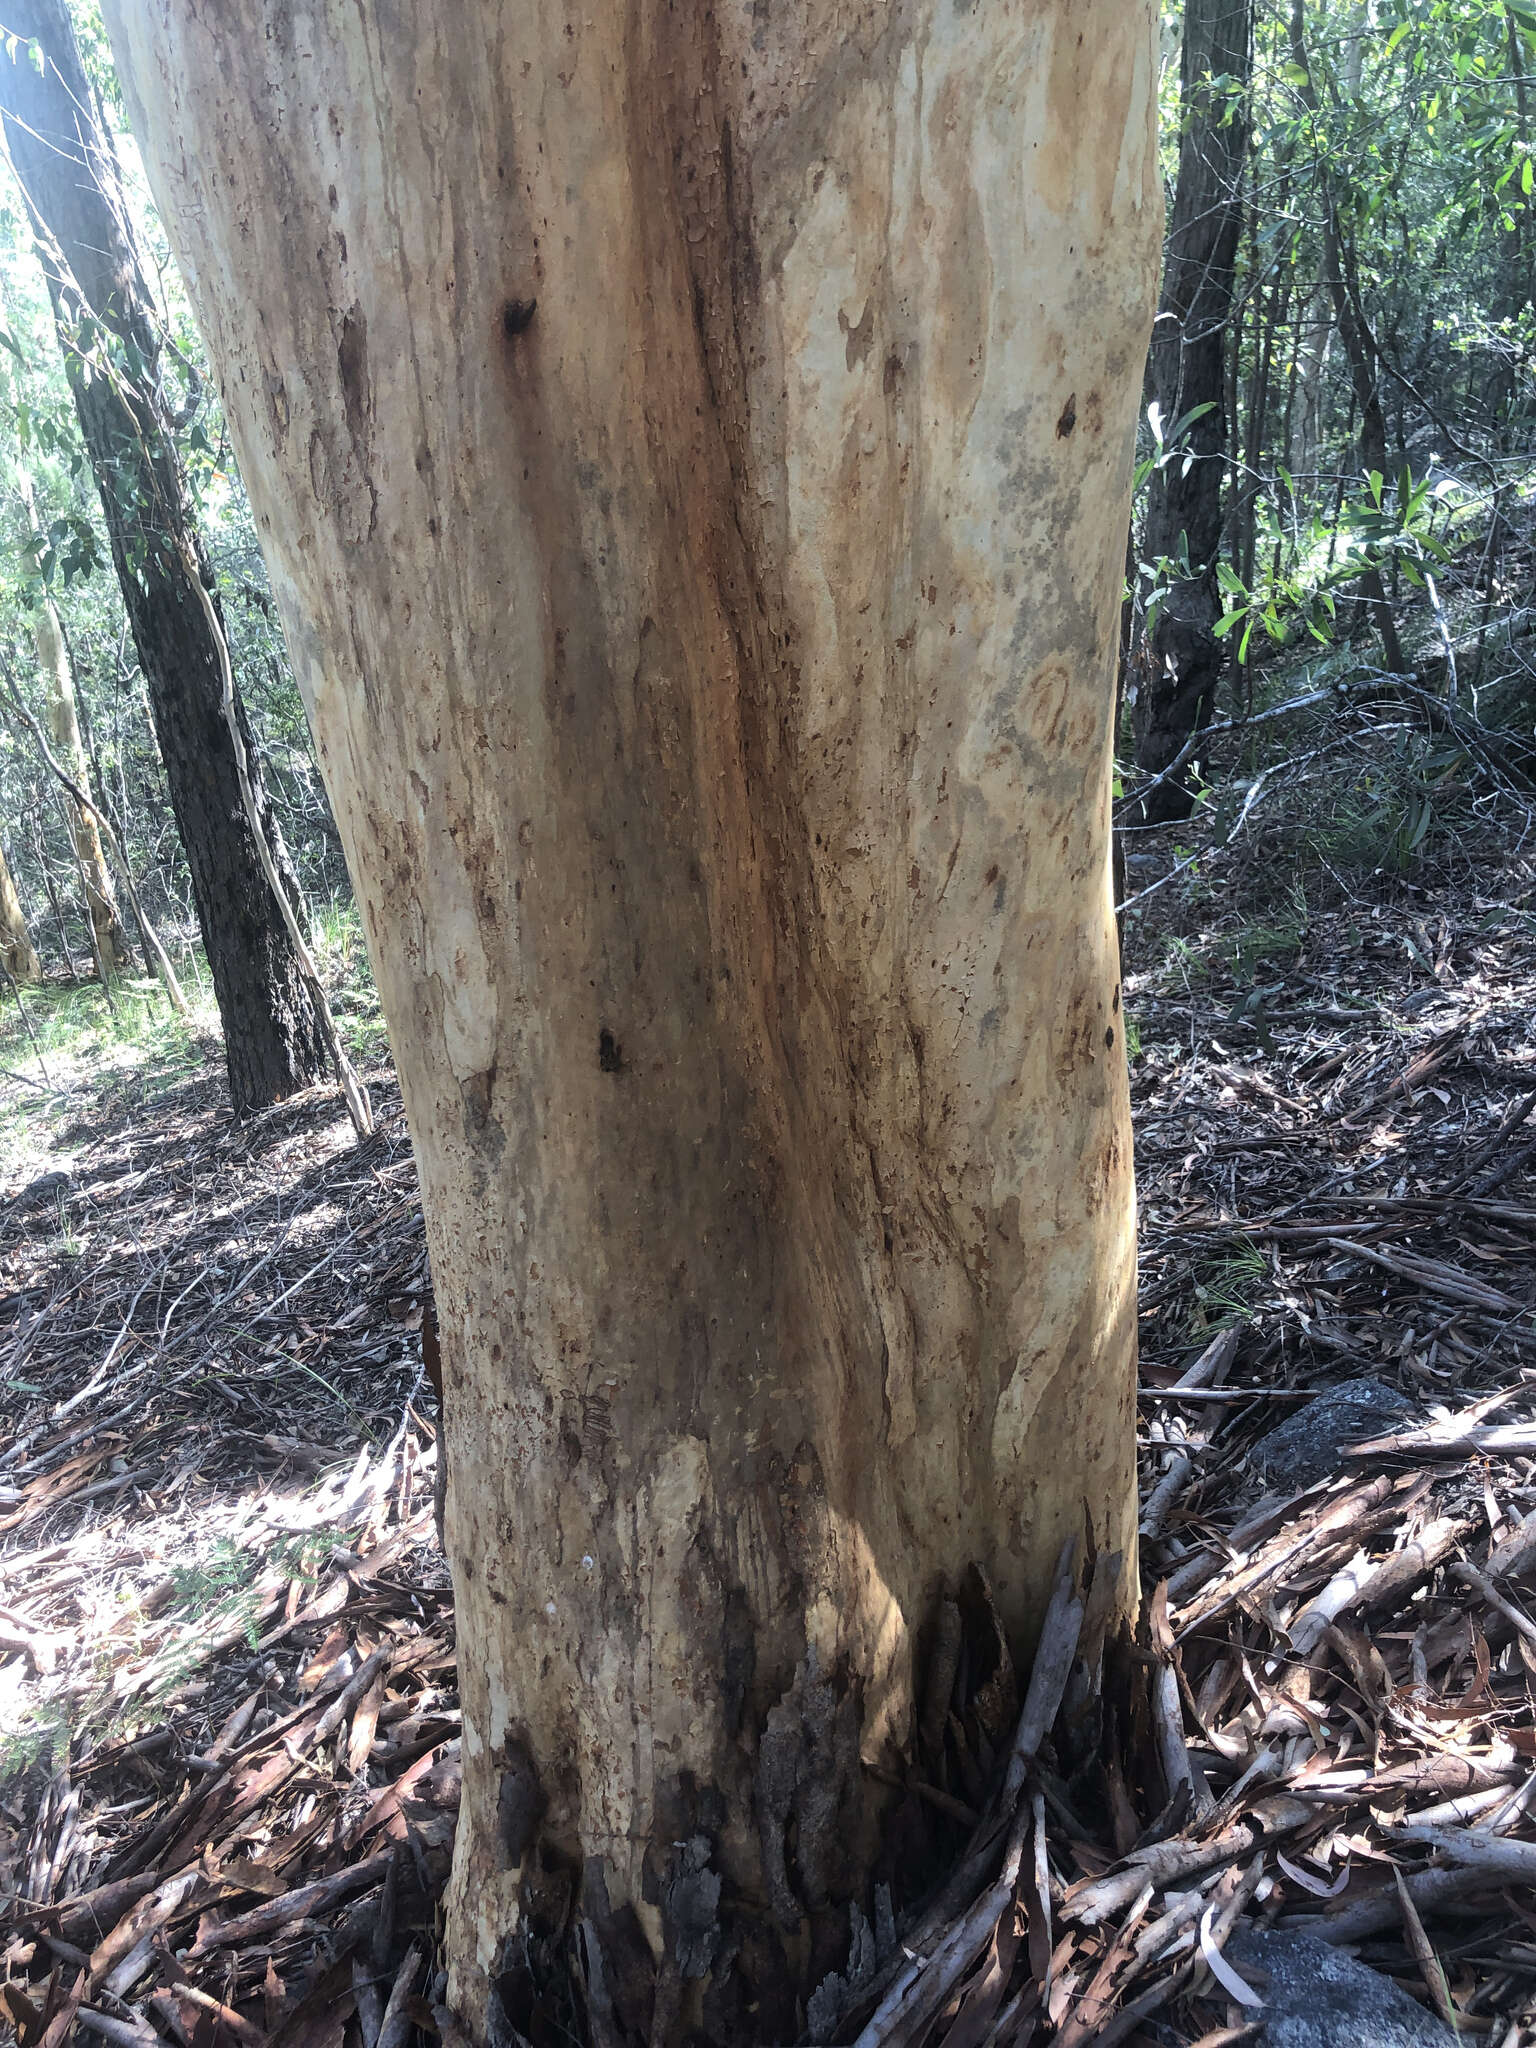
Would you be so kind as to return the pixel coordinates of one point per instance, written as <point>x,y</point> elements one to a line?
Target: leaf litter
<point>228,1705</point>
<point>226,1650</point>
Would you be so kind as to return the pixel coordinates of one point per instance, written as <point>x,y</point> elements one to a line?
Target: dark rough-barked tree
<point>692,447</point>
<point>114,356</point>
<point>1177,668</point>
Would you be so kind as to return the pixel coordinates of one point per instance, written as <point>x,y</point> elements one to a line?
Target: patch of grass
<point>1393,815</point>
<point>77,1045</point>
<point>202,1585</point>
<point>219,1585</point>
<point>341,954</point>
<point>1226,1287</point>
<point>1182,961</point>
<point>146,1049</point>
<point>223,1590</point>
<point>1254,945</point>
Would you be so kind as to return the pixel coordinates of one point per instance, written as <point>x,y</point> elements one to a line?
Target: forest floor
<point>228,1722</point>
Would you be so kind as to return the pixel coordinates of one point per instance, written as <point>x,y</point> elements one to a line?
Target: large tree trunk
<point>693,454</point>
<point>68,171</point>
<point>1177,677</point>
<point>16,947</point>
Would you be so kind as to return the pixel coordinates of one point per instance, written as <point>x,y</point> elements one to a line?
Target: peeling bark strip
<point>692,449</point>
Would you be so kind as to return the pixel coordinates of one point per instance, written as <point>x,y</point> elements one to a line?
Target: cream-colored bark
<point>64,724</point>
<point>692,449</point>
<point>1313,343</point>
<point>16,947</point>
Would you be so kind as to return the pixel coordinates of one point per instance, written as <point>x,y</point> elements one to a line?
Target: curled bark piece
<point>1359,1590</point>
<point>1161,1500</point>
<point>1048,1675</point>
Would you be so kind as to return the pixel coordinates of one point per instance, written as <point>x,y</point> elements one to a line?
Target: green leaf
<point>1195,412</point>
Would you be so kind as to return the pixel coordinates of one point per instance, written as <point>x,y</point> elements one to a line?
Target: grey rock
<point>1309,1445</point>
<point>1317,1997</point>
<point>39,1193</point>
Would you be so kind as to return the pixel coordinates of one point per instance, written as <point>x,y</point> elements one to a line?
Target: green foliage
<point>55,546</point>
<point>1406,131</point>
<point>1390,816</point>
<point>1381,528</point>
<point>1227,1286</point>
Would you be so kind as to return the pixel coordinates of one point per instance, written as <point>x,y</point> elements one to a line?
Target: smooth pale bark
<point>111,941</point>
<point>692,450</point>
<point>16,947</point>
<point>1312,348</point>
<point>64,723</point>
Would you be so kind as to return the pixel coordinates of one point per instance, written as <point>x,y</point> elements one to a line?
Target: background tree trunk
<point>67,169</point>
<point>16,947</point>
<point>693,456</point>
<point>64,724</point>
<point>1176,682</point>
<point>1341,274</point>
<point>1312,346</point>
<point>111,941</point>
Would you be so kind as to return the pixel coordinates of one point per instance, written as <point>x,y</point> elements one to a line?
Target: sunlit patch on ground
<point>226,1658</point>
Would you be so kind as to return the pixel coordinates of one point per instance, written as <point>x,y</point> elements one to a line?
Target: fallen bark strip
<point>300,1904</point>
<point>1509,1438</point>
<point>1434,1276</point>
<point>1093,1900</point>
<point>1347,1516</point>
<point>1379,1910</point>
<point>145,1919</point>
<point>1361,1587</point>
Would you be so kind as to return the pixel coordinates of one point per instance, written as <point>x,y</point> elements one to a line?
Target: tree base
<point>883,1960</point>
